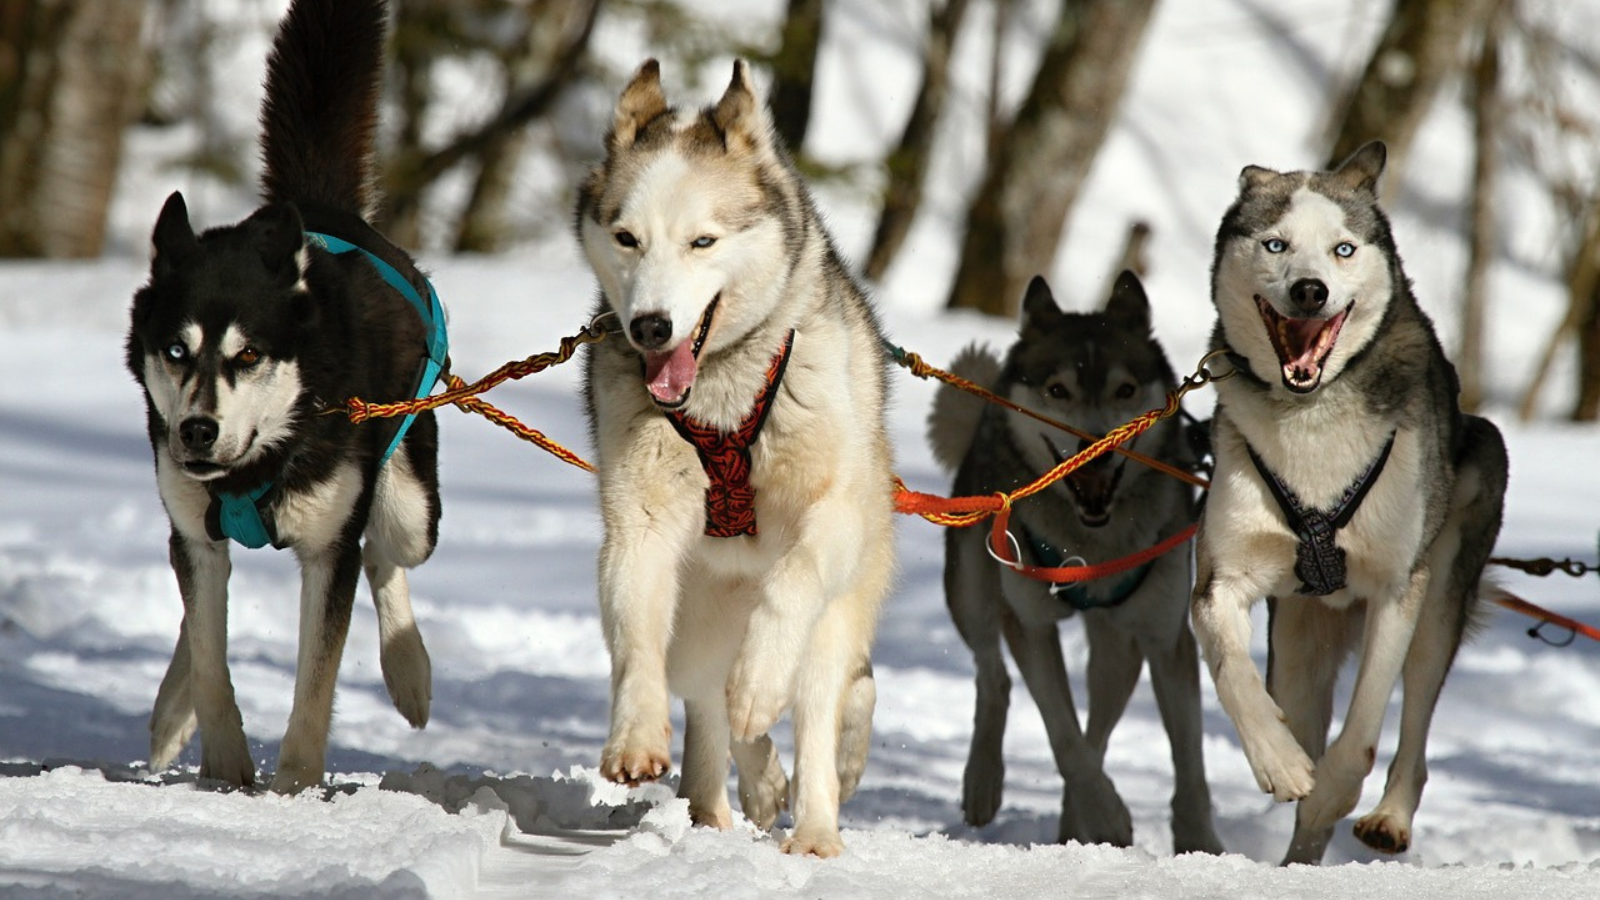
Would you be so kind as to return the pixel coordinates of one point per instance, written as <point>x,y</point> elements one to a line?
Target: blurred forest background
<point>76,76</point>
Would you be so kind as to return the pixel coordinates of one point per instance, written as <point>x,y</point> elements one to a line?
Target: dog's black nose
<point>651,332</point>
<point>198,433</point>
<point>1309,294</point>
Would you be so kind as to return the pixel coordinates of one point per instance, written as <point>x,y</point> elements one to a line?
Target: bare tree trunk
<point>1583,283</point>
<point>1486,127</point>
<point>908,163</point>
<point>1420,49</point>
<point>1587,407</point>
<point>72,78</point>
<point>1015,221</point>
<point>794,71</point>
<point>415,168</point>
<point>995,130</point>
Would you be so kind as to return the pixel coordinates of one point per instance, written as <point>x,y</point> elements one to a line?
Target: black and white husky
<point>1349,487</point>
<point>243,336</point>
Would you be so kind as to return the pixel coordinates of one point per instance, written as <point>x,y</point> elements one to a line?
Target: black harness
<point>1319,562</point>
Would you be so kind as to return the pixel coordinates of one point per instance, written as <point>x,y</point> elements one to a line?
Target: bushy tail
<point>954,418</point>
<point>320,117</point>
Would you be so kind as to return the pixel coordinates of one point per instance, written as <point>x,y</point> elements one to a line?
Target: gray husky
<point>1096,371</point>
<point>1350,490</point>
<point>745,480</point>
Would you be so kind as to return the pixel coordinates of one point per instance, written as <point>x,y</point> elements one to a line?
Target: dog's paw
<point>290,780</point>
<point>1195,835</point>
<point>1093,813</point>
<point>638,755</point>
<point>982,786</point>
<point>1384,832</point>
<point>764,793</point>
<point>757,696</point>
<point>821,842</point>
<point>225,758</point>
<point>1281,767</point>
<point>408,675</point>
<point>168,736</point>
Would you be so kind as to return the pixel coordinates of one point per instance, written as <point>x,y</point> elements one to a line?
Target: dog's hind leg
<point>855,728</point>
<point>1115,661</point>
<point>705,763</point>
<point>1091,810</point>
<point>763,785</point>
<point>173,721</point>
<point>203,568</point>
<point>972,594</point>
<point>407,672</point>
<point>1175,676</point>
<point>327,593</point>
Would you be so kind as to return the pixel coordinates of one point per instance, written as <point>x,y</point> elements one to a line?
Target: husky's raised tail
<point>241,339</point>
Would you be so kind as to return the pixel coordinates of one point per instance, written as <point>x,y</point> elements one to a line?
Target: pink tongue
<point>669,375</point>
<point>1301,335</point>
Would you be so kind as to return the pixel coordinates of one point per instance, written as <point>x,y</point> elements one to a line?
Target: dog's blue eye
<point>177,352</point>
<point>702,242</point>
<point>626,239</point>
<point>1345,249</point>
<point>1275,245</point>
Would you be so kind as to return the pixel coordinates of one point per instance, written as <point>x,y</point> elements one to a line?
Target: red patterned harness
<point>730,498</point>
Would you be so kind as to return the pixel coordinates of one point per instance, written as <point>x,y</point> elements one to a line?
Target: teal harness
<point>1076,594</point>
<point>247,517</point>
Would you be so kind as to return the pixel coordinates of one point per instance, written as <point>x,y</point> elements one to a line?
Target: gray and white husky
<point>1096,371</point>
<point>1349,489</point>
<point>240,339</point>
<point>744,467</point>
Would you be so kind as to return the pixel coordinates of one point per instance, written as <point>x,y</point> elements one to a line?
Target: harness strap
<point>1319,562</point>
<point>1003,547</point>
<point>725,456</point>
<point>1076,594</point>
<point>247,517</point>
<point>431,311</point>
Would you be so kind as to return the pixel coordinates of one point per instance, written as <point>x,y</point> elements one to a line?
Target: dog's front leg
<point>202,567</point>
<point>327,593</point>
<point>761,684</point>
<point>1221,608</point>
<point>639,585</point>
<point>1391,622</point>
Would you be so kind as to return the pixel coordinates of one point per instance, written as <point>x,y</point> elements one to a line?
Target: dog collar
<point>247,517</point>
<point>725,456</point>
<point>1076,594</point>
<point>1319,562</point>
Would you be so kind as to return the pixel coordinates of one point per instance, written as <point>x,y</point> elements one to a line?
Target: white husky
<point>1348,486</point>
<point>744,467</point>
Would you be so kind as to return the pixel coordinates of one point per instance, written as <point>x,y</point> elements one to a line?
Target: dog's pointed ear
<point>740,115</point>
<point>1128,302</point>
<point>1255,176</point>
<point>1040,312</point>
<point>1360,172</point>
<point>278,234</point>
<point>641,101</point>
<point>173,239</point>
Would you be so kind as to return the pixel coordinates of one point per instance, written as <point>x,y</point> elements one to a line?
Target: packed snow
<point>499,795</point>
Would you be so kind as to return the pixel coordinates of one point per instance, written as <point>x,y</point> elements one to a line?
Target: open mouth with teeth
<point>1302,345</point>
<point>1093,486</point>
<point>669,375</point>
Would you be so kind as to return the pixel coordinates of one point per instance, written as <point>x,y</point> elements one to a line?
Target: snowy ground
<point>498,796</point>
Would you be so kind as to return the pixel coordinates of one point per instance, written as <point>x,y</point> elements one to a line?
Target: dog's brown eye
<point>1126,391</point>
<point>626,239</point>
<point>1058,391</point>
<point>249,356</point>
